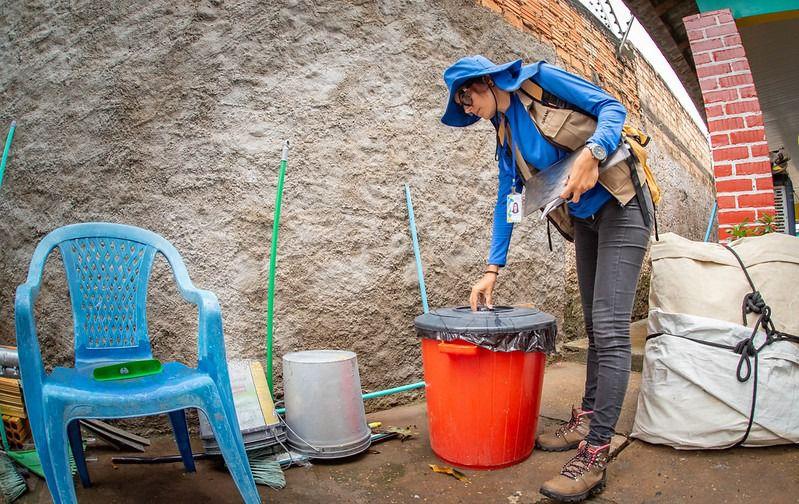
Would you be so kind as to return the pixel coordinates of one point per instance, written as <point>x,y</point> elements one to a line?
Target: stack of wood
<point>15,419</point>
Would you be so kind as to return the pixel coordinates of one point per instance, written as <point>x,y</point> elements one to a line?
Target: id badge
<point>514,208</point>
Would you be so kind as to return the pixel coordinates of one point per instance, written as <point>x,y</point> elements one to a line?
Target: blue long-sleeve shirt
<point>541,154</point>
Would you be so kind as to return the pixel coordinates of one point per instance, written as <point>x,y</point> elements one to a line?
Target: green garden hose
<point>270,304</point>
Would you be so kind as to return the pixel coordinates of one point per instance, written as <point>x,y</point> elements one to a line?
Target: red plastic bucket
<point>482,406</point>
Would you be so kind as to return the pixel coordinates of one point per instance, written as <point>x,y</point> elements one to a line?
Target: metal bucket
<point>324,407</point>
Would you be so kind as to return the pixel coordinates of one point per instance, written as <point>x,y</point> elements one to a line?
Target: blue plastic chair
<point>107,269</point>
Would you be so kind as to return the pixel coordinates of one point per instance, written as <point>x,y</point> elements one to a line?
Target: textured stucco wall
<point>170,116</point>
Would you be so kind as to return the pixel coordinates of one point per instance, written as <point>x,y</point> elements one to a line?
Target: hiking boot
<point>581,477</point>
<point>568,435</point>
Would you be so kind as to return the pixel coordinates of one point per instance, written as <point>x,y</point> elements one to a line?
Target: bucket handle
<point>453,349</point>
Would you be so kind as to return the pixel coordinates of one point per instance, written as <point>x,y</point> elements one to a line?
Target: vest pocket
<point>616,178</point>
<point>564,127</point>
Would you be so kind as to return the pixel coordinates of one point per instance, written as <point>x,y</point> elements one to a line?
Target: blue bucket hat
<point>508,77</point>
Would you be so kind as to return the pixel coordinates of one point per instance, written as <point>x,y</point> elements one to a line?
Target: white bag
<point>690,396</point>
<point>705,279</point>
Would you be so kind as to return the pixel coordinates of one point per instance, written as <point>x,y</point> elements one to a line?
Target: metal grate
<point>107,274</point>
<point>781,207</point>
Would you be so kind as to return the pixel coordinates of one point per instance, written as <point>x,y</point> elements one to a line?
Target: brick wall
<point>586,47</point>
<point>663,117</point>
<point>738,140</point>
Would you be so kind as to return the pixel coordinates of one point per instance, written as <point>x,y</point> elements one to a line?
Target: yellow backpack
<point>638,140</point>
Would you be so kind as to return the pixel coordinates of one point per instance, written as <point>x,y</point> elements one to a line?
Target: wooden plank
<point>14,411</point>
<point>118,438</point>
<point>9,383</point>
<point>117,431</point>
<point>11,397</point>
<point>262,391</point>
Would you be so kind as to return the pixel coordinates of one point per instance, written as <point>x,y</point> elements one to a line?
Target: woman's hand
<point>583,176</point>
<point>482,290</point>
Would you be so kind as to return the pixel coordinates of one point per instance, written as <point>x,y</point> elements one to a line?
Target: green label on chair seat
<point>126,370</point>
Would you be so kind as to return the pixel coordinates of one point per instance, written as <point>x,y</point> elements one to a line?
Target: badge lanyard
<point>515,201</point>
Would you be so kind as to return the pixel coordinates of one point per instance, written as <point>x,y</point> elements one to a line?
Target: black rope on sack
<point>754,303</point>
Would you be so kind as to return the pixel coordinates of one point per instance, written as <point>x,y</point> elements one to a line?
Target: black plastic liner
<point>502,329</point>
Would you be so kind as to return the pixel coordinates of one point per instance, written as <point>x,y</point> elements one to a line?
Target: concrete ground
<point>397,472</point>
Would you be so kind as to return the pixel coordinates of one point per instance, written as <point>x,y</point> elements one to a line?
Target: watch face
<point>598,152</point>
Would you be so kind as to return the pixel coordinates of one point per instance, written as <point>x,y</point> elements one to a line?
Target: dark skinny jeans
<point>610,248</point>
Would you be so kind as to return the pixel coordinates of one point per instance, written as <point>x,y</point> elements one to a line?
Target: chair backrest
<point>108,269</point>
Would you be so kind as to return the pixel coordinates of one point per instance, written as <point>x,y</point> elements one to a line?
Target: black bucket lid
<point>503,328</point>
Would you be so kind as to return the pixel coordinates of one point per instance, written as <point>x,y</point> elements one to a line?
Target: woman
<point>609,230</point>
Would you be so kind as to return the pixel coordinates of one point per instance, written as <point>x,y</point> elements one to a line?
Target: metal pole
<point>624,38</point>
<point>416,253</point>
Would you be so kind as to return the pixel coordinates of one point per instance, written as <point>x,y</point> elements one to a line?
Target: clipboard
<point>542,191</point>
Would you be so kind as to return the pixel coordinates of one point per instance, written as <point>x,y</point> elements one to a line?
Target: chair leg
<point>227,434</point>
<point>76,444</point>
<point>39,428</point>
<point>181,430</point>
<point>57,445</point>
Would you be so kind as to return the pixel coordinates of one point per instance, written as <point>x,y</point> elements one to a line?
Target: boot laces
<point>572,424</point>
<point>587,457</point>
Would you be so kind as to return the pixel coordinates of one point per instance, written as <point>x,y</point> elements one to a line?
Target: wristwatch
<point>599,152</point>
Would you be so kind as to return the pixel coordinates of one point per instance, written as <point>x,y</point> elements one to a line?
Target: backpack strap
<point>504,136</point>
<point>639,191</point>
<point>532,91</point>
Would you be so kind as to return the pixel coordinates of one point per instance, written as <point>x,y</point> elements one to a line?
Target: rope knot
<point>754,303</point>
<point>745,347</point>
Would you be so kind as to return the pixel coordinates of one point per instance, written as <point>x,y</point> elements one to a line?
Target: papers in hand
<point>555,203</point>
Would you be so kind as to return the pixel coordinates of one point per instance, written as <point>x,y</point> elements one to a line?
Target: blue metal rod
<point>419,271</point>
<point>710,221</point>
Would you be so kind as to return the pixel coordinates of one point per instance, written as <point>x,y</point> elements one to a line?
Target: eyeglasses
<point>464,97</point>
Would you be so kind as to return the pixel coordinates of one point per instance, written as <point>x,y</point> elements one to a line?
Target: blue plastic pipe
<point>419,271</point>
<point>6,149</point>
<point>380,393</point>
<point>710,221</point>
<point>395,390</point>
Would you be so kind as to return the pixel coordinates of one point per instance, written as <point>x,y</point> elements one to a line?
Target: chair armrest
<point>30,355</point>
<point>210,339</point>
